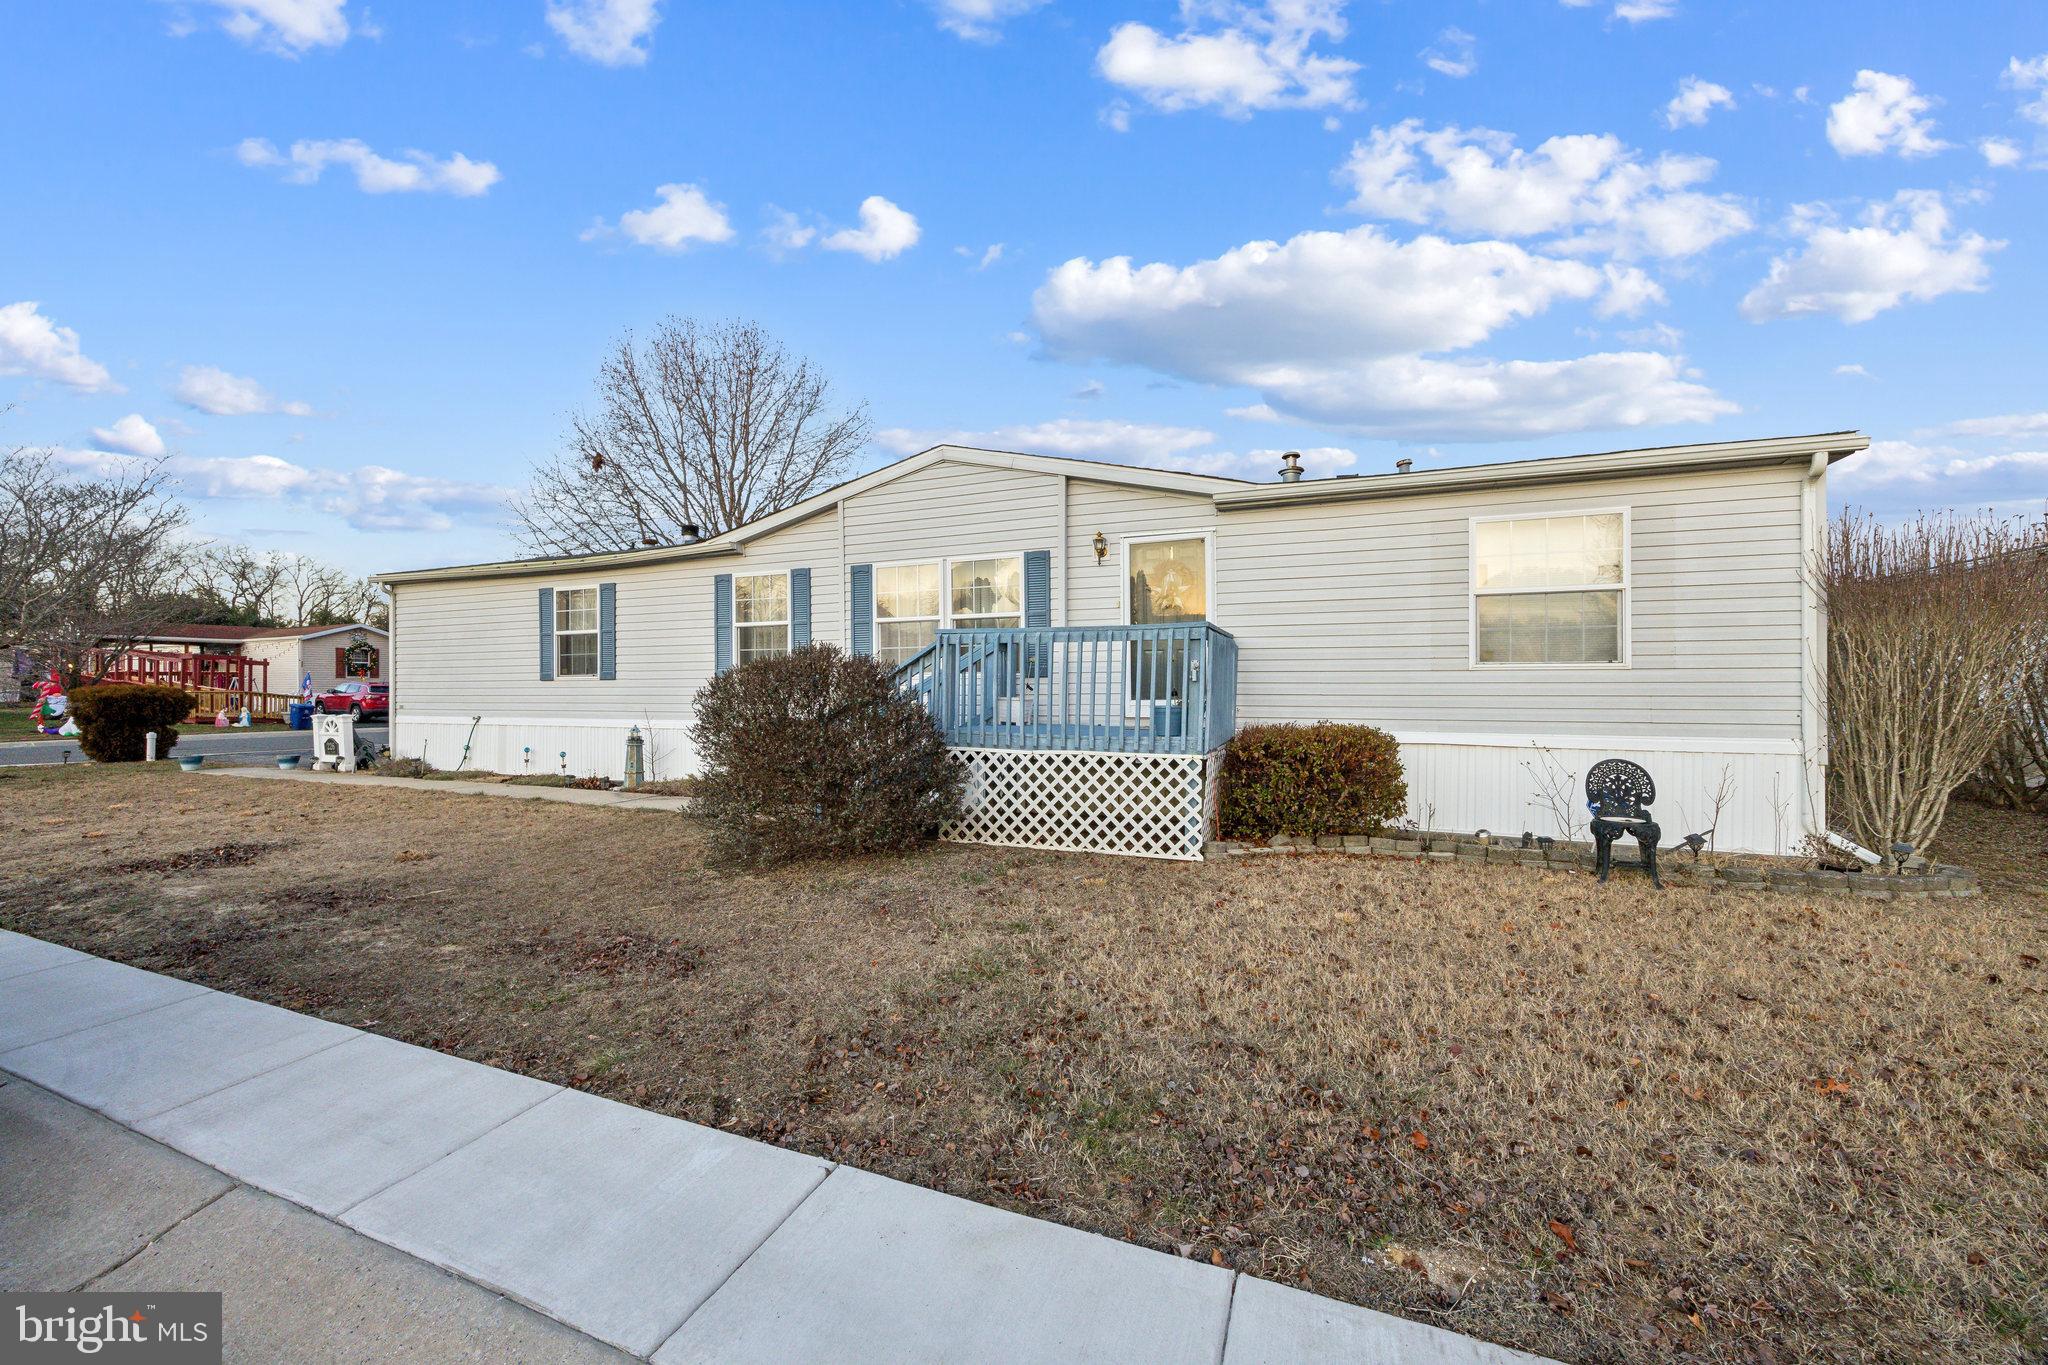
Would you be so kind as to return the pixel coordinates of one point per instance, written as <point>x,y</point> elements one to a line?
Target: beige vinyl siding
<point>1095,592</point>
<point>472,646</point>
<point>1360,612</point>
<point>813,544</point>
<point>957,510</point>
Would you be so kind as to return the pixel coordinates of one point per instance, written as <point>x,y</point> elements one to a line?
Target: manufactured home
<point>1089,635</point>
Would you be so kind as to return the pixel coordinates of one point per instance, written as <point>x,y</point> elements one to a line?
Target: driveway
<point>231,747</point>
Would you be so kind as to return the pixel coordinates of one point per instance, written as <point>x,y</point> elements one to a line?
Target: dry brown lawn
<point>1598,1123</point>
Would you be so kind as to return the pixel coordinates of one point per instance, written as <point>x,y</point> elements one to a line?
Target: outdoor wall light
<point>1101,547</point>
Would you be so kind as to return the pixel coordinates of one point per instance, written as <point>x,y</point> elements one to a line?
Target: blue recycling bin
<point>299,715</point>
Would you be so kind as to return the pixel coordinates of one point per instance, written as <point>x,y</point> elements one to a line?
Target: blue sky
<point>350,267</point>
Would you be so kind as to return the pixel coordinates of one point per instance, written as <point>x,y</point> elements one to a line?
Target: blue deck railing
<point>1110,689</point>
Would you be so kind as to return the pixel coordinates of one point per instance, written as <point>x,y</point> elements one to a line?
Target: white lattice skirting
<point>1144,805</point>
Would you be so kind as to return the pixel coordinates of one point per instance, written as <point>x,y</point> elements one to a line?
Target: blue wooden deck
<point>1103,689</point>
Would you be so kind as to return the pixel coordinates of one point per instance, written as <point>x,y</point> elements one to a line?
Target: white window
<point>985,593</point>
<point>576,632</point>
<point>760,615</point>
<point>1550,590</point>
<point>1167,581</point>
<point>906,610</point>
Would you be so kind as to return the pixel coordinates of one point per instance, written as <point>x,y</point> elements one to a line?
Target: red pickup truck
<point>359,699</point>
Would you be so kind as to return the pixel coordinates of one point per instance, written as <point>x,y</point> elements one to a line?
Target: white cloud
<point>1091,389</point>
<point>1905,462</point>
<point>1902,250</point>
<point>417,173</point>
<point>1661,336</point>
<point>1883,114</point>
<point>1235,57</point>
<point>979,21</point>
<point>1694,101</point>
<point>684,215</point>
<point>2030,75</point>
<point>988,256</point>
<point>132,435</point>
<point>214,390</point>
<point>1632,11</point>
<point>286,27</point>
<point>2012,426</point>
<point>1999,151</point>
<point>1455,53</point>
<point>1852,372</point>
<point>785,232</point>
<point>885,231</point>
<point>1254,412</point>
<point>608,32</point>
<point>33,345</point>
<point>1590,191</point>
<point>1347,330</point>
<point>368,498</point>
<point>1082,438</point>
<point>1116,116</point>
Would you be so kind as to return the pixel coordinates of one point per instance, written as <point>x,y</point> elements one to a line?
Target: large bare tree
<point>232,584</point>
<point>86,559</point>
<point>699,426</point>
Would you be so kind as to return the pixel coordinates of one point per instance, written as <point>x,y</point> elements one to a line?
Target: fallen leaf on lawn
<point>1216,1256</point>
<point>1830,1086</point>
<point>1420,1139</point>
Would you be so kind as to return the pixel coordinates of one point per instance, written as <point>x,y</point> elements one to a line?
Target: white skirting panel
<point>516,744</point>
<point>1081,801</point>
<point>1460,783</point>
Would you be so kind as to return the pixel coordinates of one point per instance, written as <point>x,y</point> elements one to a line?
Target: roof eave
<point>1620,464</point>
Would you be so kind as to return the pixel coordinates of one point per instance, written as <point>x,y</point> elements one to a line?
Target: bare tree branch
<point>710,427</point>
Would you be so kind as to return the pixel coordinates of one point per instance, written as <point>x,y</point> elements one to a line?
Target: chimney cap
<point>1290,467</point>
<point>1403,465</point>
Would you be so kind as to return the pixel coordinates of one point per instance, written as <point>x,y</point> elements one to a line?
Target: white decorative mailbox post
<point>334,743</point>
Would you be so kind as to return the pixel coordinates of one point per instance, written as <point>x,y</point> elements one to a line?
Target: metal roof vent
<point>688,533</point>
<point>1290,467</point>
<point>1403,466</point>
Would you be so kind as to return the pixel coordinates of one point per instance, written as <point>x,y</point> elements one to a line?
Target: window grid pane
<point>576,609</point>
<point>576,655</point>
<point>762,642</point>
<point>907,592</point>
<point>761,598</point>
<point>1550,628</point>
<point>987,587</point>
<point>1548,552</point>
<point>897,641</point>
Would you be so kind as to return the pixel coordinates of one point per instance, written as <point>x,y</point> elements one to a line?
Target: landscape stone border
<point>1936,880</point>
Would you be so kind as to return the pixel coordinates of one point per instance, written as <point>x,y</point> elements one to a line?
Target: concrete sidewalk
<point>619,798</point>
<point>661,1238</point>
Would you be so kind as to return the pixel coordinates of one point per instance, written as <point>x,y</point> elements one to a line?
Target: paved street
<point>220,746</point>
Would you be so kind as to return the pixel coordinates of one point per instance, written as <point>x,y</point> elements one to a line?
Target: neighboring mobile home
<point>1101,629</point>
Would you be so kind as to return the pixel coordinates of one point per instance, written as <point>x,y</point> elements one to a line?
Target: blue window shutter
<point>721,620</point>
<point>1038,587</point>
<point>860,608</point>
<point>547,634</point>
<point>799,608</point>
<point>607,631</point>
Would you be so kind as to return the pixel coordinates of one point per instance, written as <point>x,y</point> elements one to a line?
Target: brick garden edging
<point>1677,869</point>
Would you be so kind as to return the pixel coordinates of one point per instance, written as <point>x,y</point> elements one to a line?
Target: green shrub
<point>114,717</point>
<point>813,754</point>
<point>1310,780</point>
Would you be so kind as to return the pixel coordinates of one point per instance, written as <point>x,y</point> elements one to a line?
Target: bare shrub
<point>1930,625</point>
<point>815,753</point>
<point>2016,773</point>
<point>1557,791</point>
